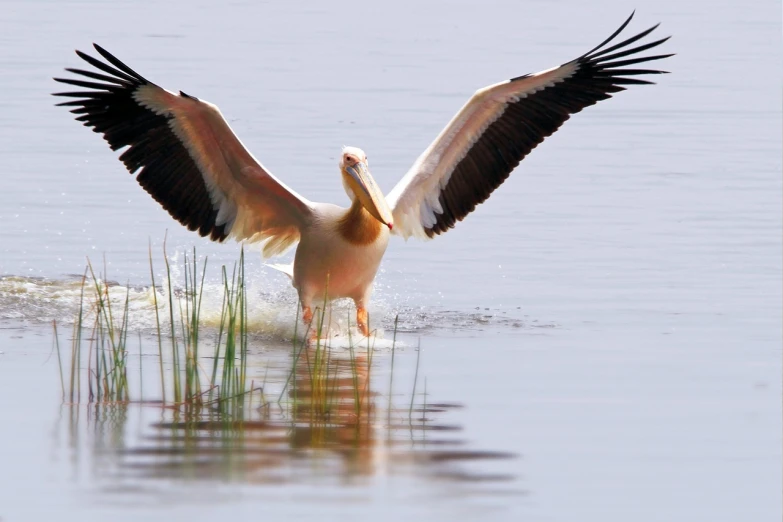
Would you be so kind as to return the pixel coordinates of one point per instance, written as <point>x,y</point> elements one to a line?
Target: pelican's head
<point>359,184</point>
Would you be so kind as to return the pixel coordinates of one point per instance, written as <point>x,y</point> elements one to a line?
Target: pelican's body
<point>330,263</point>
<point>188,158</point>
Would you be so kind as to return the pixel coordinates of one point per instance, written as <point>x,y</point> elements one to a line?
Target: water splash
<point>272,308</point>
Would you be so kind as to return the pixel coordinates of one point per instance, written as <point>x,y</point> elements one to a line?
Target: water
<point>611,315</point>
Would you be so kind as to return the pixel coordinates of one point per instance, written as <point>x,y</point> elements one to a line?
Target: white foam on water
<point>272,308</point>
<point>270,314</point>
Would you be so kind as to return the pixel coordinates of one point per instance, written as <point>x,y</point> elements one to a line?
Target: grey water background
<point>644,236</point>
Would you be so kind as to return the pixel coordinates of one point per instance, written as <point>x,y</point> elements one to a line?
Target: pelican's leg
<point>307,319</point>
<point>307,315</point>
<point>362,319</point>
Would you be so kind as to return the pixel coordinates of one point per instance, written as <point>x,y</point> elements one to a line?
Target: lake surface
<point>611,317</point>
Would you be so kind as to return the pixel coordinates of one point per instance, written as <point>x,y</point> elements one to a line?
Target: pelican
<point>191,162</point>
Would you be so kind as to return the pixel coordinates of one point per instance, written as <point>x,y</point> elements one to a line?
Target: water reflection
<point>329,422</point>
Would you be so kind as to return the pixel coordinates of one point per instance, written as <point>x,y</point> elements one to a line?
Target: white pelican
<point>190,161</point>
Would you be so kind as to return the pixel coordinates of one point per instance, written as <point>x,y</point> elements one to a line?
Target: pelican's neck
<point>358,226</point>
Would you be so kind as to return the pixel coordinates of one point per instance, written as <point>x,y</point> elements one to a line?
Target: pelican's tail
<point>286,269</point>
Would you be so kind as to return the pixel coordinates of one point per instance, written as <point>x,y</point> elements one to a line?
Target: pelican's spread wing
<point>499,126</point>
<point>187,156</point>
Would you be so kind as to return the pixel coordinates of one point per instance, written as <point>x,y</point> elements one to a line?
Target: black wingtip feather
<point>97,76</point>
<point>613,36</point>
<point>624,43</point>
<point>106,68</point>
<point>627,52</point>
<point>633,61</point>
<point>162,164</point>
<point>118,64</point>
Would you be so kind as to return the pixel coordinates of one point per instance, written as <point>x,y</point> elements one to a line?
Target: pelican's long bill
<point>368,193</point>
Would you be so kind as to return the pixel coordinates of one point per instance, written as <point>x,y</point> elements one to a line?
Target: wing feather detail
<point>503,123</point>
<point>186,156</point>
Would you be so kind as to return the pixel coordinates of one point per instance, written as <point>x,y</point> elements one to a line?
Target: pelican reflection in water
<point>331,423</point>
<point>188,158</point>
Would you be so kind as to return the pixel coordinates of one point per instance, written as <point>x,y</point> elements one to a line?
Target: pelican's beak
<point>369,194</point>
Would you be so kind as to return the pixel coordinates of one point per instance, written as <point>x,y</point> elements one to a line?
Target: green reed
<point>59,358</point>
<point>109,380</point>
<point>189,319</point>
<point>175,362</point>
<point>157,325</point>
<point>322,387</point>
<point>415,379</point>
<point>391,370</point>
<point>233,328</point>
<point>107,356</point>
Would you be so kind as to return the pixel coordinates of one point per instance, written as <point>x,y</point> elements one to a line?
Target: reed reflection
<point>325,421</point>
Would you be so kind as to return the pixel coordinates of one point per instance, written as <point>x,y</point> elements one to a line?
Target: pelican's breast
<point>358,227</point>
<point>343,245</point>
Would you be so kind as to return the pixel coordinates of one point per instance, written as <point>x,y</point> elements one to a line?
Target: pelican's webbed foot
<point>363,320</point>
